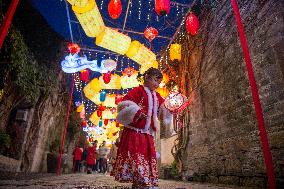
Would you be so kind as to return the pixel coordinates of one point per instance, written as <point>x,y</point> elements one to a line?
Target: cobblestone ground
<point>84,181</point>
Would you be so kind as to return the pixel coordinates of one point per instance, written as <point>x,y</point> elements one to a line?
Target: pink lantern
<point>114,9</point>
<point>162,7</point>
<point>150,33</point>
<point>192,24</point>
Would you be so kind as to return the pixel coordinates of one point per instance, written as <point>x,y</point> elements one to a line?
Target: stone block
<point>230,180</point>
<point>259,182</point>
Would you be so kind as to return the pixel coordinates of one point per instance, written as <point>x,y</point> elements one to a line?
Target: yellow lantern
<point>113,40</point>
<point>88,15</point>
<point>107,114</point>
<point>133,49</point>
<point>80,108</point>
<point>113,84</point>
<point>129,81</point>
<point>175,52</point>
<point>164,92</point>
<point>95,85</point>
<point>110,100</point>
<point>94,118</point>
<point>143,55</point>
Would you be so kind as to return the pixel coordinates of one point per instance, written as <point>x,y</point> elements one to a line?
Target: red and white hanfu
<point>136,155</point>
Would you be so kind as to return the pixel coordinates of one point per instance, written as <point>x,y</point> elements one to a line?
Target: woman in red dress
<point>139,111</point>
<point>91,156</point>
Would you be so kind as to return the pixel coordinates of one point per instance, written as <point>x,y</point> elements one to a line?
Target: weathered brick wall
<point>224,143</point>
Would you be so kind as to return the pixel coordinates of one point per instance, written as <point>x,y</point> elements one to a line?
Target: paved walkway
<point>84,181</point>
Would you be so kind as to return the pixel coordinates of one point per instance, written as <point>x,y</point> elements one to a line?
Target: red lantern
<point>114,8</point>
<point>106,121</point>
<point>118,98</point>
<point>102,107</point>
<point>73,48</point>
<point>84,75</point>
<point>107,77</point>
<point>84,123</point>
<point>162,7</point>
<point>150,33</point>
<point>192,24</point>
<point>99,113</point>
<point>117,124</point>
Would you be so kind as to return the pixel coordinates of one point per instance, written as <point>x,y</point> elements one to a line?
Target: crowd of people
<point>93,158</point>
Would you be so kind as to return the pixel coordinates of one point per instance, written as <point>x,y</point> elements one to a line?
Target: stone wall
<point>224,144</point>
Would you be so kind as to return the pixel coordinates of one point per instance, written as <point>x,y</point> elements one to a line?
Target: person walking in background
<point>139,112</point>
<point>91,157</point>
<point>77,155</point>
<point>103,152</point>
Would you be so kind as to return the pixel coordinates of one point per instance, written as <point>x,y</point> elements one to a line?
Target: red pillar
<point>256,100</point>
<point>65,129</point>
<point>7,21</point>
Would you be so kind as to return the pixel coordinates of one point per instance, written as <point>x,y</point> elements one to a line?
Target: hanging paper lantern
<point>99,113</point>
<point>114,9</point>
<point>102,96</point>
<point>100,123</point>
<point>73,48</point>
<point>94,85</point>
<point>113,84</point>
<point>84,75</point>
<point>109,64</point>
<point>82,114</point>
<point>150,33</point>
<point>113,110</point>
<point>106,121</point>
<point>118,98</point>
<point>175,52</point>
<point>192,24</point>
<point>80,108</point>
<point>89,16</point>
<point>84,123</point>
<point>78,103</point>
<point>113,40</point>
<point>174,101</point>
<point>117,124</point>
<point>162,7</point>
<point>129,71</point>
<point>107,77</point>
<point>133,49</point>
<point>102,107</point>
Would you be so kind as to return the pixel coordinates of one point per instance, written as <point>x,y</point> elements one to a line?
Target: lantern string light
<point>139,10</point>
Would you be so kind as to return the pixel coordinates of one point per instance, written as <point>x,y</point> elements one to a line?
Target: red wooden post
<point>65,129</point>
<point>7,21</point>
<point>256,101</point>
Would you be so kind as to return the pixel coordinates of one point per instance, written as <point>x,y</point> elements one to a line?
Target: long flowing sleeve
<point>129,112</point>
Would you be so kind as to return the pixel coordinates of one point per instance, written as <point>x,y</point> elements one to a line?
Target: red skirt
<point>136,159</point>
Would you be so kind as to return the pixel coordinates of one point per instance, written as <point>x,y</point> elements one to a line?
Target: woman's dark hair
<point>153,72</point>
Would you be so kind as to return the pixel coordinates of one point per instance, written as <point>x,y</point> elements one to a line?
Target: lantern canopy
<point>114,9</point>
<point>192,24</point>
<point>162,7</point>
<point>150,33</point>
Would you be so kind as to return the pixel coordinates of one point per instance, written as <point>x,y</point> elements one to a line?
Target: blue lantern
<point>100,123</point>
<point>102,96</point>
